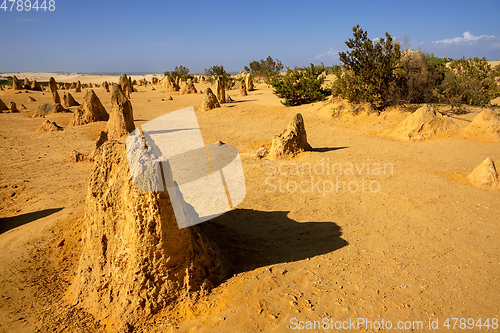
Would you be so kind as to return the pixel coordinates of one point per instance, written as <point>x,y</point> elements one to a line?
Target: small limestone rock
<point>68,100</point>
<point>221,90</point>
<point>485,175</point>
<point>243,88</point>
<point>249,82</point>
<point>3,106</point>
<point>31,99</point>
<point>210,101</point>
<point>90,111</point>
<point>49,126</point>
<point>121,117</point>
<point>261,152</point>
<point>76,156</point>
<point>291,141</point>
<point>13,108</point>
<point>16,84</point>
<point>27,84</point>
<point>78,87</point>
<point>105,86</point>
<point>36,86</point>
<point>124,82</point>
<point>188,88</point>
<point>48,108</point>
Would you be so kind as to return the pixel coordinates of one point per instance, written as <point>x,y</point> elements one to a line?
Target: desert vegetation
<point>300,85</point>
<point>381,74</point>
<point>264,68</point>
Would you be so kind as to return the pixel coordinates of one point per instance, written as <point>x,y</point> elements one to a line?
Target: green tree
<point>215,71</point>
<point>180,71</point>
<point>264,68</point>
<point>300,85</point>
<point>368,69</point>
<point>468,81</point>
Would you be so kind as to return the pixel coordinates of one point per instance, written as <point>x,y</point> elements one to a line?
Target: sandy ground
<point>411,242</point>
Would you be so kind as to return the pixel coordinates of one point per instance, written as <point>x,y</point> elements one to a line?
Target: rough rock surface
<point>49,126</point>
<point>16,84</point>
<point>13,108</point>
<point>90,111</point>
<point>78,87</point>
<point>3,106</point>
<point>423,124</point>
<point>27,84</point>
<point>135,260</point>
<point>249,82</point>
<point>209,101</point>
<point>485,175</point>
<point>262,152</point>
<point>105,86</point>
<point>124,82</point>
<point>36,86</point>
<point>53,90</point>
<point>76,156</point>
<point>68,100</point>
<point>291,141</point>
<point>48,108</point>
<point>121,116</point>
<point>243,88</point>
<point>188,88</point>
<point>485,126</point>
<point>221,90</point>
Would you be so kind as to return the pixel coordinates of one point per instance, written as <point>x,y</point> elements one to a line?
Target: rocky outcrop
<point>68,100</point>
<point>49,126</point>
<point>53,91</point>
<point>16,84</point>
<point>13,108</point>
<point>188,88</point>
<point>3,106</point>
<point>134,259</point>
<point>485,175</point>
<point>209,101</point>
<point>78,87</point>
<point>485,126</point>
<point>243,88</point>
<point>249,82</point>
<point>221,90</point>
<point>27,84</point>
<point>48,108</point>
<point>36,86</point>
<point>121,117</point>
<point>124,82</point>
<point>90,111</point>
<point>291,141</point>
<point>423,124</point>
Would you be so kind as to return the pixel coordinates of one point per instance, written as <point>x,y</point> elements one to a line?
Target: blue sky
<point>155,36</point>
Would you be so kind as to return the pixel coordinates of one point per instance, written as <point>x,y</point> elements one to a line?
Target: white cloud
<point>466,39</point>
<point>375,40</point>
<point>331,53</point>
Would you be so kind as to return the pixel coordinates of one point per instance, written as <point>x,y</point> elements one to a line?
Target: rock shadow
<point>249,239</point>
<point>8,223</point>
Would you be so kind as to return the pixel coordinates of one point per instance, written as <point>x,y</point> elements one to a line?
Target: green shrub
<point>368,69</point>
<point>300,85</point>
<point>264,68</point>
<point>215,71</point>
<point>180,71</point>
<point>468,81</point>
